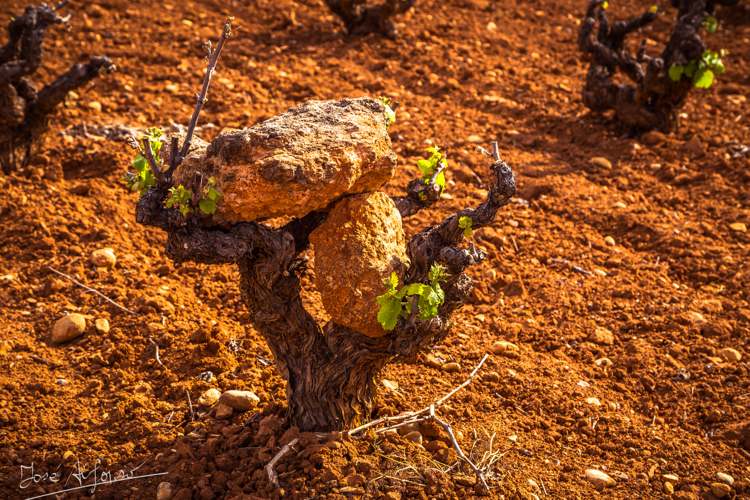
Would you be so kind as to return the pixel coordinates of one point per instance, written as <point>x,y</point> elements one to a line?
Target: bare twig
<point>156,351</point>
<point>213,59</point>
<point>445,425</point>
<point>495,151</point>
<point>404,416</point>
<point>89,289</point>
<point>273,478</point>
<point>190,405</point>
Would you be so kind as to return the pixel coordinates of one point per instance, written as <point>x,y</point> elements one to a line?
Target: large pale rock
<point>296,162</point>
<point>357,247</point>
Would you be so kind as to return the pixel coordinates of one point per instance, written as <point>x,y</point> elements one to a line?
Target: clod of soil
<point>360,243</point>
<point>297,162</point>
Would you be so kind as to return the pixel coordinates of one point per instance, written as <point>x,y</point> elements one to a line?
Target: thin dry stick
<point>156,351</point>
<point>190,405</point>
<point>89,289</point>
<point>410,414</point>
<point>213,58</point>
<point>445,425</point>
<point>272,476</point>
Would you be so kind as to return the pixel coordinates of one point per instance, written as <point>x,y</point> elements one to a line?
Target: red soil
<point>673,289</point>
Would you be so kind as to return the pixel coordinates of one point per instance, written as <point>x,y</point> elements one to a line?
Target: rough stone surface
<point>357,247</point>
<point>599,479</point>
<point>68,327</point>
<point>297,162</point>
<point>104,257</point>
<point>209,397</point>
<point>239,400</point>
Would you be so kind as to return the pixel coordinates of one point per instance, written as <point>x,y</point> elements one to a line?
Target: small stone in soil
<point>222,411</point>
<point>452,367</point>
<point>104,257</point>
<point>725,478</point>
<point>610,241</point>
<point>720,490</point>
<point>68,327</point>
<point>210,397</point>
<point>164,491</point>
<point>414,436</point>
<point>239,400</point>
<point>602,162</point>
<point>101,325</point>
<point>599,479</point>
<point>730,355</point>
<point>602,335</point>
<point>505,348</point>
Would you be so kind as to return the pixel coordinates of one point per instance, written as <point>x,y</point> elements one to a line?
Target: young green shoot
<point>465,223</point>
<point>433,168</point>
<point>179,198</point>
<point>210,197</point>
<point>143,178</point>
<point>397,303</point>
<point>701,72</point>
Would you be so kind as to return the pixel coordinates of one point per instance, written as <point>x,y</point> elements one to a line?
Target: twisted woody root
<point>330,370</point>
<point>24,111</point>
<point>652,100</point>
<point>359,19</point>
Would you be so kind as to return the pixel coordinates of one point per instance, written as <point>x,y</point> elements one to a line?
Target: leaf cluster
<point>465,223</point>
<point>397,303</point>
<point>182,198</point>
<point>143,178</point>
<point>702,71</point>
<point>430,165</point>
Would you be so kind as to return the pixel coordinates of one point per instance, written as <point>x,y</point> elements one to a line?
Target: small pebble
<point>605,362</point>
<point>730,355</point>
<point>239,400</point>
<point>593,401</point>
<point>68,327</point>
<point>452,367</point>
<point>505,348</point>
<point>720,490</point>
<point>599,479</point>
<point>491,26</point>
<point>101,325</point>
<point>222,411</point>
<point>600,161</point>
<point>668,488</point>
<point>414,436</point>
<point>602,335</point>
<point>95,105</point>
<point>474,139</point>
<point>725,478</point>
<point>104,257</point>
<point>738,227</point>
<point>164,491</point>
<point>610,241</point>
<point>210,397</point>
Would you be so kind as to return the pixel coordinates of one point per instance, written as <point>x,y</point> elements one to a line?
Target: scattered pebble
<point>600,161</point>
<point>95,105</point>
<point>720,490</point>
<point>725,478</point>
<point>104,257</point>
<point>491,26</point>
<point>593,401</point>
<point>164,491</point>
<point>602,335</point>
<point>452,367</point>
<point>610,241</point>
<point>605,362</point>
<point>414,436</point>
<point>68,327</point>
<point>222,411</point>
<point>210,397</point>
<point>668,488</point>
<point>475,139</point>
<point>672,478</point>
<point>432,361</point>
<point>101,325</point>
<point>738,227</point>
<point>239,400</point>
<point>599,478</point>
<point>730,355</point>
<point>653,138</point>
<point>505,348</point>
<point>491,377</point>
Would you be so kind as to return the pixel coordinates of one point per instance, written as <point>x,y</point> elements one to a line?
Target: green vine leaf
<point>465,223</point>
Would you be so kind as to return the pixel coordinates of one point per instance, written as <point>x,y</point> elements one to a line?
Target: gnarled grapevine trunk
<point>361,19</point>
<point>330,371</point>
<point>24,111</point>
<point>652,99</point>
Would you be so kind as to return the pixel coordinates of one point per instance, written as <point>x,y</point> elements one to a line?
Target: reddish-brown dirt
<point>643,246</point>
